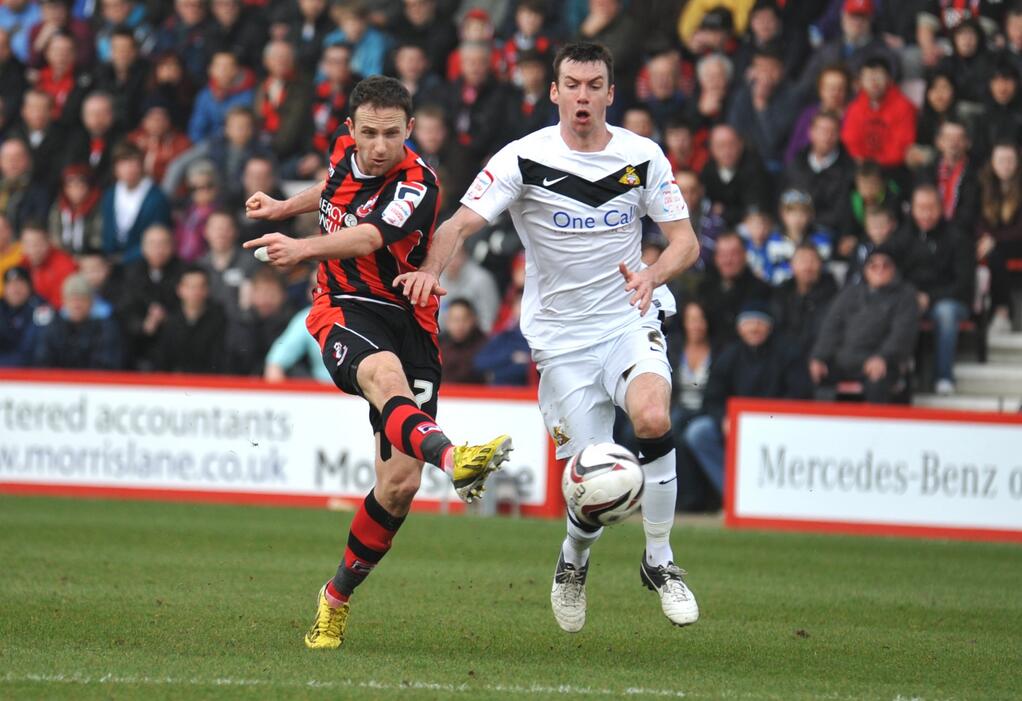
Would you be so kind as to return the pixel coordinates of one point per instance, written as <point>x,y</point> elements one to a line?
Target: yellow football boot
<point>474,463</point>
<point>327,632</point>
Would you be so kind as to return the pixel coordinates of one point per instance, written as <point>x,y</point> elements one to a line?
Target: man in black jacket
<point>728,286</point>
<point>955,176</point>
<point>869,332</point>
<point>945,278</point>
<point>734,176</point>
<point>826,172</point>
<point>757,365</point>
<point>192,338</point>
<point>800,303</point>
<point>73,339</point>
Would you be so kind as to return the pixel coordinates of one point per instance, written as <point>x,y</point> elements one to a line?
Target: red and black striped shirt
<point>403,205</point>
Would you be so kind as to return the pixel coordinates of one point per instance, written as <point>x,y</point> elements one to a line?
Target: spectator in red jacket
<point>880,124</point>
<point>49,266</point>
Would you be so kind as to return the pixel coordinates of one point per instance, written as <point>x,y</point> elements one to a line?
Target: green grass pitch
<point>124,600</point>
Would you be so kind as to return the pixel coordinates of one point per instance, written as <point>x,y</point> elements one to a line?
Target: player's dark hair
<point>381,92</point>
<point>584,52</point>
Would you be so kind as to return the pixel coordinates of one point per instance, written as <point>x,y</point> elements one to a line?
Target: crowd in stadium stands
<point>851,168</point>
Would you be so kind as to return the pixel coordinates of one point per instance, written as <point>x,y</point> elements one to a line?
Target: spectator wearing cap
<point>55,16</point>
<point>49,266</point>
<point>10,249</point>
<point>192,338</point>
<point>158,139</point>
<point>704,16</point>
<point>74,338</point>
<point>124,77</point>
<point>283,102</point>
<point>17,17</point>
<point>764,108</point>
<point>18,330</point>
<point>833,90</point>
<point>476,26</point>
<point>232,28</point>
<point>420,23</point>
<point>825,172</point>
<point>706,223</point>
<point>21,200</point>
<point>796,226</point>
<point>800,302</point>
<point>955,176</point>
<point>93,142</point>
<point>758,364</point>
<point>529,34</point>
<point>230,85</point>
<point>460,341</point>
<point>75,222</point>
<point>728,286</point>
<point>369,45</point>
<point>1001,120</point>
<point>734,177</point>
<point>868,334</point>
<point>46,140</point>
<point>184,33</point>
<point>148,296</point>
<point>131,205</point>
<point>880,124</point>
<point>852,48</point>
<point>766,29</point>
<point>945,278</point>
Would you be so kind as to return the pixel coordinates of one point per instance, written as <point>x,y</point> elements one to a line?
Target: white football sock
<point>658,501</point>
<point>575,548</point>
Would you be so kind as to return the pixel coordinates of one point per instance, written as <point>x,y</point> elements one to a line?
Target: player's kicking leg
<point>647,402</point>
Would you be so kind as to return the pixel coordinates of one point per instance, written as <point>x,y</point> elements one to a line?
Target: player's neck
<point>596,140</point>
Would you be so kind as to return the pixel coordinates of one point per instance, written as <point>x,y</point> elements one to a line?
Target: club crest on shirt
<point>630,177</point>
<point>366,207</point>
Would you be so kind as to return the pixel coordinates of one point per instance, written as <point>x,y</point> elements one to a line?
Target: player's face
<point>380,136</point>
<point>582,93</point>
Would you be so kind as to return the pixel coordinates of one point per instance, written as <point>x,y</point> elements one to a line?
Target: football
<point>603,484</point>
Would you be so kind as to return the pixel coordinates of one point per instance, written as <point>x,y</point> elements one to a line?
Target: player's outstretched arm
<point>681,253</point>
<point>424,282</point>
<point>262,206</point>
<point>284,251</point>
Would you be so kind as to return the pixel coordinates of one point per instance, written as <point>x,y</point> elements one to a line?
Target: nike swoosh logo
<point>547,182</point>
<point>668,481</point>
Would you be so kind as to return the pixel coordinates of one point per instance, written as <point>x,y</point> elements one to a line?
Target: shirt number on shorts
<point>423,391</point>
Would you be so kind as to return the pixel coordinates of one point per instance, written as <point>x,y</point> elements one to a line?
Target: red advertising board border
<point>552,508</point>
<point>736,407</point>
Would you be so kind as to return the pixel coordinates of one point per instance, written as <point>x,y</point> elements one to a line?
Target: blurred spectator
<point>853,48</point>
<point>868,334</point>
<point>452,161</point>
<point>945,281</point>
<point>158,139</point>
<point>881,228</point>
<point>535,110</point>
<point>420,24</point>
<point>728,286</point>
<point>758,232</point>
<point>250,336</point>
<point>105,281</point>
<point>411,67</point>
<point>307,29</point>
<point>477,103</point>
<point>800,302</point>
<point>203,188</point>
<point>466,279</point>
<point>192,338</point>
<point>295,347</point>
<point>833,88</point>
<point>1013,35</point>
<point>713,87</point>
<point>117,14</point>
<point>682,148</point>
<point>131,205</point>
<point>1001,119</point>
<point>690,376</point>
<point>512,291</point>
<point>758,364</point>
<point>702,17</point>
<point>229,267</point>
<point>76,339</point>
<point>49,266</point>
<point>236,29</point>
<point>767,29</point>
<point>125,77</point>
<point>871,188</point>
<point>12,77</point>
<point>46,141</point>
<point>665,96</point>
<point>608,24</point>
<point>529,34</point>
<point>17,17</point>
<point>18,330</point>
<point>734,177</point>
<point>939,105</point>
<point>75,222</point>
<point>94,141</point>
<point>475,26</point>
<point>825,172</point>
<point>368,44</point>
<point>21,200</point>
<point>169,83</point>
<point>880,124</point>
<point>10,249</point>
<point>184,33</point>
<point>969,64</point>
<point>329,103</point>
<point>283,101</point>
<point>62,80</point>
<point>764,108</point>
<point>259,175</point>
<point>230,85</point>
<point>148,296</point>
<point>707,224</point>
<point>639,120</point>
<point>1000,226</point>
<point>798,226</point>
<point>460,340</point>
<point>505,359</point>
<point>955,176</point>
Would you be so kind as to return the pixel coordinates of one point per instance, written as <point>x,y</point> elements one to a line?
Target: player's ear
<point>610,95</point>
<point>553,92</point>
<point>409,128</point>
<point>350,124</point>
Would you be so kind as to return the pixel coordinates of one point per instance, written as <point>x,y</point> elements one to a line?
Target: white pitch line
<point>511,689</point>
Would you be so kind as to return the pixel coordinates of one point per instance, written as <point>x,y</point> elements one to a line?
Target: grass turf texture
<point>102,599</point>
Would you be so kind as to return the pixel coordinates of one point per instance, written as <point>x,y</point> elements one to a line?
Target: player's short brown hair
<point>584,52</point>
<point>381,92</point>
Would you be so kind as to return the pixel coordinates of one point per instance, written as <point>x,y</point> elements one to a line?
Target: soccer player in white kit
<point>591,311</point>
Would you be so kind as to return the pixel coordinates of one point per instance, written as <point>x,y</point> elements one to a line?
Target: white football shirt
<point>578,214</point>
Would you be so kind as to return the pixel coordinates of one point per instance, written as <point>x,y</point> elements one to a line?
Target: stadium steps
<point>991,379</point>
<point>992,386</point>
<point>969,402</point>
<point>1006,349</point>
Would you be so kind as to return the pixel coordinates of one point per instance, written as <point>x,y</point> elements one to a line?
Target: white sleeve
<point>497,185</point>
<point>662,197</point>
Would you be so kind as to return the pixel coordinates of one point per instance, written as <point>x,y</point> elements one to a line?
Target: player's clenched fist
<point>281,251</point>
<point>419,286</point>
<point>262,206</point>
